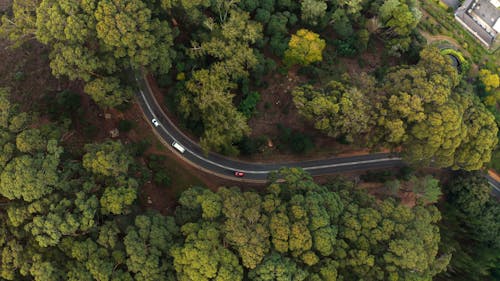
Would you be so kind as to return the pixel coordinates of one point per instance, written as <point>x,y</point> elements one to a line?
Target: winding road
<point>254,172</point>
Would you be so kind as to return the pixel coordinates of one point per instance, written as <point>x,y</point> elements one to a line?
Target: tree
<point>107,91</point>
<point>31,141</point>
<point>433,119</point>
<point>304,48</point>
<point>481,139</point>
<point>490,80</point>
<point>427,188</point>
<point>208,98</point>
<point>366,227</point>
<point>147,245</point>
<point>469,192</point>
<point>341,23</point>
<point>203,257</point>
<point>399,20</point>
<point>337,109</point>
<point>223,123</point>
<point>352,7</point>
<point>116,200</point>
<point>245,227</point>
<point>249,104</point>
<point>470,228</point>
<point>51,220</point>
<point>21,27</point>
<point>129,28</point>
<point>31,177</point>
<point>108,159</point>
<point>312,11</point>
<point>279,268</point>
<point>95,41</point>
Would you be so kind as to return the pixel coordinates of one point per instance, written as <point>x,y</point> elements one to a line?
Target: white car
<point>179,147</point>
<point>155,122</point>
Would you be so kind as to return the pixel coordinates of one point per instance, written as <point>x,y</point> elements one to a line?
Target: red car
<point>239,174</point>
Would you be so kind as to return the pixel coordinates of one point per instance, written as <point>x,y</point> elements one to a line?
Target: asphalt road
<point>255,172</point>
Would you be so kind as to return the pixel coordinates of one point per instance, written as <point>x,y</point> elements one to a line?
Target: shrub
<point>162,178</point>
<point>249,103</point>
<point>19,76</point>
<point>90,130</point>
<point>464,63</point>
<point>346,48</point>
<point>301,143</point>
<point>249,145</point>
<point>381,176</point>
<point>66,103</point>
<point>262,16</point>
<point>138,148</point>
<point>125,125</point>
<point>294,141</point>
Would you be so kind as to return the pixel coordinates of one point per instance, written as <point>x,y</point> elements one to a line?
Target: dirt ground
<point>276,107</point>
<point>27,73</point>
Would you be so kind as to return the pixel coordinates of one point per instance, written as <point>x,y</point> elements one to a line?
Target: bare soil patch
<point>368,61</point>
<point>25,70</point>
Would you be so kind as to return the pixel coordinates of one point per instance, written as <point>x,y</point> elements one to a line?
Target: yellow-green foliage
<point>463,61</point>
<point>491,83</point>
<point>490,80</point>
<point>305,47</point>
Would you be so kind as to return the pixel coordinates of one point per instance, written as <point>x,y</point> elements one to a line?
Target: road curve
<point>254,172</point>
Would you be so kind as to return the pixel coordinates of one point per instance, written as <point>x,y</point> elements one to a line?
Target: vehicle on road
<point>155,122</point>
<point>179,147</point>
<point>239,174</point>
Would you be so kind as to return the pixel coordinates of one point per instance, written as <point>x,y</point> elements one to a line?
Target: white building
<point>481,18</point>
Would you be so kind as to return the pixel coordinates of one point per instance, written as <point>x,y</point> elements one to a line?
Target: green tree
<point>116,200</point>
<point>129,28</point>
<point>108,159</point>
<point>427,188</point>
<point>312,11</point>
<point>94,41</point>
<point>31,177</point>
<point>470,229</point>
<point>352,7</point>
<point>107,91</point>
<point>245,227</point>
<point>399,20</point>
<point>31,141</point>
<point>336,109</point>
<point>279,268</point>
<point>490,80</point>
<point>203,257</point>
<point>433,119</point>
<point>304,48</point>
<point>147,245</point>
<point>469,192</point>
<point>341,23</point>
<point>481,139</point>
<point>22,26</point>
<point>208,98</point>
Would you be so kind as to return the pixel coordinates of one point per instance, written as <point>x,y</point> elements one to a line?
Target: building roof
<point>486,12</point>
<point>496,27</point>
<point>481,18</point>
